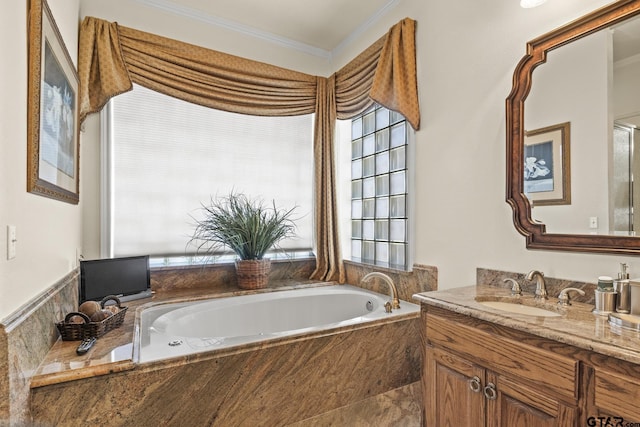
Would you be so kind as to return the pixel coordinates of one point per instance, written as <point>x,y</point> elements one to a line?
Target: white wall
<point>558,95</point>
<point>48,231</point>
<point>626,88</point>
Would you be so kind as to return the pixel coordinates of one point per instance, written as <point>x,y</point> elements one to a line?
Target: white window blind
<point>168,156</point>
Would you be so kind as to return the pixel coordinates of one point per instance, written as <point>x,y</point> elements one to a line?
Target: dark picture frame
<point>53,130</point>
<point>547,165</point>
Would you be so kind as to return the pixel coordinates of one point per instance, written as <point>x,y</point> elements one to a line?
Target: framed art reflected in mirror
<point>547,165</point>
<point>52,136</point>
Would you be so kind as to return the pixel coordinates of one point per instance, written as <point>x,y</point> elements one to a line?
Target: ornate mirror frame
<point>537,49</point>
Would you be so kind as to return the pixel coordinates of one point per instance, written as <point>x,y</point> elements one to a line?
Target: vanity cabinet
<point>480,374</point>
<point>461,393</point>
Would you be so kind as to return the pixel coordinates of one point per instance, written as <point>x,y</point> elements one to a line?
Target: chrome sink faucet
<point>541,287</point>
<point>395,302</point>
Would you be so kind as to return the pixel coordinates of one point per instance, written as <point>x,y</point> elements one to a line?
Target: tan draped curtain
<point>112,57</point>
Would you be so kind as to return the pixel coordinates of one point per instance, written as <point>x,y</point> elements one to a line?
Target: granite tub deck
<point>368,372</point>
<point>577,326</point>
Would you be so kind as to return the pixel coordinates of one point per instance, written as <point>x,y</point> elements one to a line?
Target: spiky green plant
<point>246,226</point>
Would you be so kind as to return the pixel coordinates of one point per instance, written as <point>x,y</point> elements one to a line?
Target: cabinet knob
<point>475,385</point>
<point>490,391</point>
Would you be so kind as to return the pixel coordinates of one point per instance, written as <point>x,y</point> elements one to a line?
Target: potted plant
<point>249,228</point>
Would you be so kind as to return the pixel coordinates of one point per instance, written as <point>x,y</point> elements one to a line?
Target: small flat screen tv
<point>127,278</point>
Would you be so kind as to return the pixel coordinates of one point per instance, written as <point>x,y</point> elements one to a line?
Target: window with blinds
<point>167,156</point>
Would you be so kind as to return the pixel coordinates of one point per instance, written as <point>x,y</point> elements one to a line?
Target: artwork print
<point>53,131</point>
<point>547,165</point>
<point>57,123</point>
<point>538,167</point>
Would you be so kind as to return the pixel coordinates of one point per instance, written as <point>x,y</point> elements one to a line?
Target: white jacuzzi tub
<point>182,328</point>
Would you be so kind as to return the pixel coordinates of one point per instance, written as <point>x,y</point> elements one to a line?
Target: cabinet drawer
<point>617,395</point>
<point>506,355</point>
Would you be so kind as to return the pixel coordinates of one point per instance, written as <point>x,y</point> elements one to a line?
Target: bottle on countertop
<point>623,287</point>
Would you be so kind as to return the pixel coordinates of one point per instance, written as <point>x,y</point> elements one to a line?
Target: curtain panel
<point>112,57</point>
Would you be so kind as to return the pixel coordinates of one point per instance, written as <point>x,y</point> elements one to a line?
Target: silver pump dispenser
<point>623,287</point>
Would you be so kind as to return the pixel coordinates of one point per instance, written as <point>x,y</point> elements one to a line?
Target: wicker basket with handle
<point>79,331</point>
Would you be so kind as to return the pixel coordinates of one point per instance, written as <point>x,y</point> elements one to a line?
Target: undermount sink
<point>519,308</point>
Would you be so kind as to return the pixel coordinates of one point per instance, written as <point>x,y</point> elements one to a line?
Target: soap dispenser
<point>623,287</point>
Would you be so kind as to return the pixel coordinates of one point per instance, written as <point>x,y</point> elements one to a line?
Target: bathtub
<point>183,328</point>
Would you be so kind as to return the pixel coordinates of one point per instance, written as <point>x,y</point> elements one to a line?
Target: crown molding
<point>365,26</point>
<point>176,9</point>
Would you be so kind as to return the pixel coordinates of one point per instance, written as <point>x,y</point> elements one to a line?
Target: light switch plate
<point>11,241</point>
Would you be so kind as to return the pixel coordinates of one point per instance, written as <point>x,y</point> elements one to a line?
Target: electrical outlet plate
<point>593,222</point>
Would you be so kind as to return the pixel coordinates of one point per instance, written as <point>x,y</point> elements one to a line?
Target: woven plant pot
<point>253,273</point>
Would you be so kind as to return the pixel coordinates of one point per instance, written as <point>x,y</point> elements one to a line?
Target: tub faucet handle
<point>387,306</point>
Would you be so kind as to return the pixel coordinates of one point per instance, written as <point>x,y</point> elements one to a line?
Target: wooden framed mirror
<point>584,96</point>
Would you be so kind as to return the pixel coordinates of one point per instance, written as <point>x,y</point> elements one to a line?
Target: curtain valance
<point>112,57</point>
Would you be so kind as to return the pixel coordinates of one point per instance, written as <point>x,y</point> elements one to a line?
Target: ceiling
<point>319,26</point>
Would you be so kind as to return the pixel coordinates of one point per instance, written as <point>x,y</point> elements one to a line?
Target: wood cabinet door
<point>453,390</point>
<point>510,403</point>
<point>616,398</point>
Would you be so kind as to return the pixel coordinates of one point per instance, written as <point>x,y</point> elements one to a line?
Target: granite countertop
<point>113,352</point>
<point>577,325</point>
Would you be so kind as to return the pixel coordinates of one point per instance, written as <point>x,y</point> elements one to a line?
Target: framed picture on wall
<point>52,136</point>
<point>547,165</point>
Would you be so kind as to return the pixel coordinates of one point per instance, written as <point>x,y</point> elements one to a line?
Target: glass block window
<point>379,188</point>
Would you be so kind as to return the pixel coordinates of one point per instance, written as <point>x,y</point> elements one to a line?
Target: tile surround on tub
<point>25,339</point>
<point>422,278</point>
<point>301,378</point>
<point>221,277</point>
<point>5,408</point>
<point>113,351</point>
<point>398,407</point>
<point>216,276</point>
